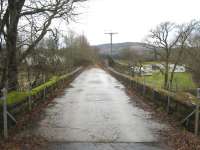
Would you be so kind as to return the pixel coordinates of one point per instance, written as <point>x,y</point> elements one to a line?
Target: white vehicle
<point>179,68</point>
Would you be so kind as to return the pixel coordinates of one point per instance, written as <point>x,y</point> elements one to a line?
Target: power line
<point>111,41</point>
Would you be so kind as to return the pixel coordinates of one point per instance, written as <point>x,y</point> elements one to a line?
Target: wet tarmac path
<point>95,113</point>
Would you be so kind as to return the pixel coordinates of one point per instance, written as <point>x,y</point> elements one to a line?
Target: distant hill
<point>118,47</point>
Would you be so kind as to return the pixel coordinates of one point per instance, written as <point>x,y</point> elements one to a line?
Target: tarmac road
<point>95,113</point>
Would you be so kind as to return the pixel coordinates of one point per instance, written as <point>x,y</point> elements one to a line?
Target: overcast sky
<point>132,19</point>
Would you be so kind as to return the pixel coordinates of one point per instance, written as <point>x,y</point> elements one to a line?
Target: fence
<point>187,111</point>
<point>30,99</point>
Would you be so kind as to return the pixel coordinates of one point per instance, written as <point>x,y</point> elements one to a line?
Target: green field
<point>182,81</point>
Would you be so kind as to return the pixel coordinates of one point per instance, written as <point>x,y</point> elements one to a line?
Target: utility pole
<point>111,41</point>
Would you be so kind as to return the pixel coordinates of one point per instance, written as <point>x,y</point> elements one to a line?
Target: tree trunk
<point>12,68</point>
<point>166,71</point>
<point>166,80</point>
<point>155,54</point>
<point>176,63</point>
<point>3,78</point>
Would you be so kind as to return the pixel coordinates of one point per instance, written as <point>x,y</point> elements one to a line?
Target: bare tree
<point>69,39</point>
<point>185,31</point>
<point>159,37</point>
<point>192,54</point>
<point>17,16</point>
<point>166,38</point>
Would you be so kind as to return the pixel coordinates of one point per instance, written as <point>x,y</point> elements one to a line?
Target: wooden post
<point>168,104</point>
<point>168,99</point>
<point>132,75</point>
<point>5,117</point>
<point>29,97</point>
<point>197,113</point>
<point>44,91</point>
<point>144,87</point>
<point>153,94</point>
<point>63,82</point>
<point>197,119</point>
<point>137,83</point>
<point>129,74</point>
